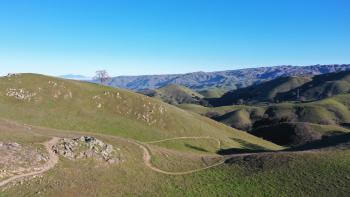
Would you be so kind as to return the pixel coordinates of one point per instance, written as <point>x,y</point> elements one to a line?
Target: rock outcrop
<point>87,147</point>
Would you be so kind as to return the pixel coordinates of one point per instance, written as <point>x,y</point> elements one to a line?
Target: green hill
<point>321,86</point>
<point>264,92</point>
<point>72,105</point>
<point>296,119</point>
<point>213,92</point>
<point>288,89</point>
<point>174,94</point>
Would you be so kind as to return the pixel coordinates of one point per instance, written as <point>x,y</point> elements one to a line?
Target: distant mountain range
<point>76,77</point>
<point>227,80</point>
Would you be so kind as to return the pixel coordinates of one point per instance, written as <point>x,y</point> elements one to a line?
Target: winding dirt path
<point>147,160</point>
<point>53,159</point>
<point>147,156</point>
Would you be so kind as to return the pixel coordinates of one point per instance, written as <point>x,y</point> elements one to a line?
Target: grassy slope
<point>309,120</point>
<point>312,174</point>
<point>213,92</point>
<point>72,105</point>
<point>176,94</point>
<point>329,111</point>
<point>321,86</point>
<point>264,92</point>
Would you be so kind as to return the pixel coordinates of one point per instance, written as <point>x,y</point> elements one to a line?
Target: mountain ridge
<point>228,80</point>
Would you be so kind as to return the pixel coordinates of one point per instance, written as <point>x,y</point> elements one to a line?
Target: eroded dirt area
<point>16,159</point>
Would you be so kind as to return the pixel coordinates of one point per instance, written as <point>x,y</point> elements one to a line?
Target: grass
<point>179,161</point>
<point>213,92</point>
<point>191,145</point>
<point>175,94</point>
<point>304,174</point>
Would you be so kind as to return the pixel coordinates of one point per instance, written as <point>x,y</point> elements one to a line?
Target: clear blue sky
<point>170,36</point>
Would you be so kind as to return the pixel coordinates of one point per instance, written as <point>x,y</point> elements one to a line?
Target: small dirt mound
<point>87,147</point>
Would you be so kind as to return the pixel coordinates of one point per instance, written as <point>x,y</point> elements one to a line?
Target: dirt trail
<point>147,157</point>
<point>53,159</point>
<point>147,160</point>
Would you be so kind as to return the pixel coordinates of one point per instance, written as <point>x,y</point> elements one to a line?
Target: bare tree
<point>102,76</point>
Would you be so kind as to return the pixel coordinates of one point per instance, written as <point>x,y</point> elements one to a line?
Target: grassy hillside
<point>213,92</point>
<point>264,92</point>
<point>174,94</point>
<point>71,105</point>
<point>289,123</point>
<point>265,174</point>
<point>321,86</point>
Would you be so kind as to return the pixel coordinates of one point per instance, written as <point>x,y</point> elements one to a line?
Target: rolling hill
<point>212,92</point>
<point>174,94</point>
<point>321,86</point>
<point>294,88</point>
<point>263,92</point>
<point>296,119</point>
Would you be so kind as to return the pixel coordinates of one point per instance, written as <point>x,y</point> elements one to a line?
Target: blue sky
<point>170,36</point>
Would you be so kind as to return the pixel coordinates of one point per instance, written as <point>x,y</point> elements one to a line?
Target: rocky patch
<point>20,94</point>
<point>87,147</point>
<point>16,159</point>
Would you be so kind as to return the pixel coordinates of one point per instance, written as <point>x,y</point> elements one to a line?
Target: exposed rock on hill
<point>87,147</point>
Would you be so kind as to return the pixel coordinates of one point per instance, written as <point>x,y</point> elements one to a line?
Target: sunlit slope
<point>174,94</point>
<point>72,105</point>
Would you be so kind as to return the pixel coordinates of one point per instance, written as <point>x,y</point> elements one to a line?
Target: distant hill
<point>263,92</point>
<point>75,77</point>
<point>174,94</point>
<point>321,86</point>
<point>227,80</point>
<point>213,92</point>
<point>288,123</point>
<point>294,88</point>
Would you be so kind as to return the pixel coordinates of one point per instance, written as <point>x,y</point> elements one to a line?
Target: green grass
<point>304,174</point>
<point>213,92</point>
<point>191,145</point>
<point>175,94</point>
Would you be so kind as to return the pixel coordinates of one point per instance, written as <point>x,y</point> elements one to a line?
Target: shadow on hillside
<point>341,141</point>
<point>248,148</point>
<point>196,148</point>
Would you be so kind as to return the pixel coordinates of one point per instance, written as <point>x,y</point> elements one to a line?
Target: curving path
<point>147,156</point>
<point>53,159</point>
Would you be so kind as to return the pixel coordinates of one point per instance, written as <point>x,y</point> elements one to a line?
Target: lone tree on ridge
<point>102,76</point>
